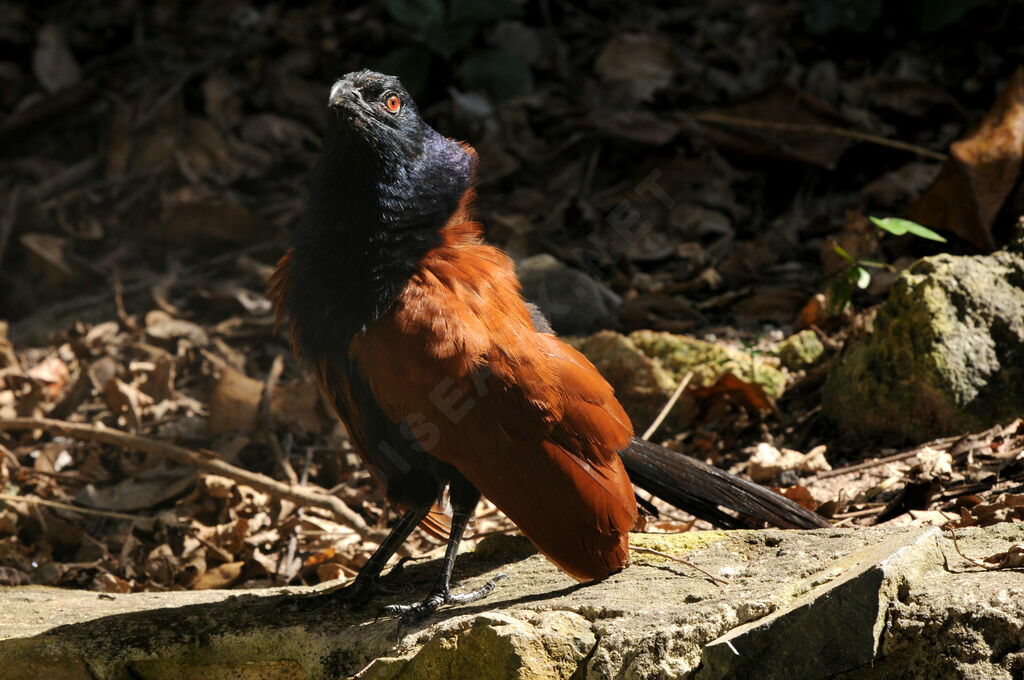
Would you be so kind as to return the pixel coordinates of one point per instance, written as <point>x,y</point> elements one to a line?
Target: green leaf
<point>418,13</point>
<point>498,73</point>
<point>842,251</point>
<point>899,227</point>
<point>874,263</point>
<point>863,277</point>
<point>840,292</point>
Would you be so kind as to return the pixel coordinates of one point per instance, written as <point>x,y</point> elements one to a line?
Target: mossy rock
<point>641,385</point>
<point>645,368</point>
<point>946,353</point>
<point>680,354</point>
<point>799,351</point>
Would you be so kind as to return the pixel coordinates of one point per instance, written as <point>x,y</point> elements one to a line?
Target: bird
<point>449,383</point>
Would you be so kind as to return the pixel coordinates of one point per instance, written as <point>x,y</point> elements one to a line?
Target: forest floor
<point>155,156</point>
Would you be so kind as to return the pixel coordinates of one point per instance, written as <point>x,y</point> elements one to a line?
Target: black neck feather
<point>373,214</point>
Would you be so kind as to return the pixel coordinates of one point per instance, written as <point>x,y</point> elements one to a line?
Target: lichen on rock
<point>946,353</point>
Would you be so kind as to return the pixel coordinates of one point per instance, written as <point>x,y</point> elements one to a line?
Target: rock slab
<point>843,603</point>
<point>946,353</point>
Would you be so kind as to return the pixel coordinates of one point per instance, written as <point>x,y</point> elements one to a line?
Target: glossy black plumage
<point>396,304</point>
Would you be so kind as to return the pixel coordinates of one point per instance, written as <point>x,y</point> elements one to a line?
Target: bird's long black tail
<point>703,490</point>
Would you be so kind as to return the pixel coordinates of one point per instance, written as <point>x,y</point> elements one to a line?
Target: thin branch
<point>268,419</point>
<point>735,121</point>
<point>33,500</point>
<point>205,461</point>
<point>668,406</point>
<point>648,551</point>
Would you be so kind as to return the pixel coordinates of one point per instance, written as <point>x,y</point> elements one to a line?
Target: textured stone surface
<point>573,301</point>
<point>946,353</point>
<point>793,639</point>
<point>653,620</point>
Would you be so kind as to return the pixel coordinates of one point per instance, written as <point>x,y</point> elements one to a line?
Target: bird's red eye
<point>393,104</point>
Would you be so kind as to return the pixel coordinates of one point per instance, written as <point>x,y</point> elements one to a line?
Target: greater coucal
<point>445,378</point>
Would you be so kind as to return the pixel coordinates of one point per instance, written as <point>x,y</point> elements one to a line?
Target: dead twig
<point>291,568</point>
<point>9,455</point>
<point>33,500</point>
<point>122,313</point>
<point>649,551</point>
<point>735,121</point>
<point>943,444</point>
<point>268,419</point>
<point>205,461</point>
<point>1009,559</point>
<point>668,406</point>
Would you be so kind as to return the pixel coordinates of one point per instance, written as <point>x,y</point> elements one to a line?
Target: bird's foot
<point>411,614</point>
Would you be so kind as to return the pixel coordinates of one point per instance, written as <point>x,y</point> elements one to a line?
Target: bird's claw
<point>411,614</point>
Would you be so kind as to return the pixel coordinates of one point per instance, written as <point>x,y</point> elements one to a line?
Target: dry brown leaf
<point>767,462</point>
<point>641,127</point>
<point>110,583</point>
<point>813,313</point>
<point>162,326</point>
<point>801,496</point>
<point>331,571</point>
<point>46,257</point>
<point>1007,507</point>
<point>933,462</point>
<point>982,170</point>
<point>641,64</point>
<point>235,404</point>
<point>295,406</point>
<point>749,395</point>
<point>215,486</point>
<point>162,565</point>
<point>8,358</point>
<point>1013,558</point>
<point>126,400</point>
<point>53,374</point>
<point>319,557</point>
<point>196,214</point>
<point>146,490</point>
<point>10,576</point>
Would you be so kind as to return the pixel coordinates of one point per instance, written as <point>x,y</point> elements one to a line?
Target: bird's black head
<point>376,109</point>
<point>383,188</point>
<point>419,175</point>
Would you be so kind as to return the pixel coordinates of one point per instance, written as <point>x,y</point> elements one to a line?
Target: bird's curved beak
<point>343,95</point>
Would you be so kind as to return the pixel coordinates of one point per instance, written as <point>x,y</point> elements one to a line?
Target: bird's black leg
<point>367,582</point>
<point>463,503</point>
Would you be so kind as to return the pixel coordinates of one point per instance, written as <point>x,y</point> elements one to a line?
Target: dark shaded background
<point>702,160</point>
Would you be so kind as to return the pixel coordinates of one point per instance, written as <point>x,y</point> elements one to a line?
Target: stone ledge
<point>860,603</point>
